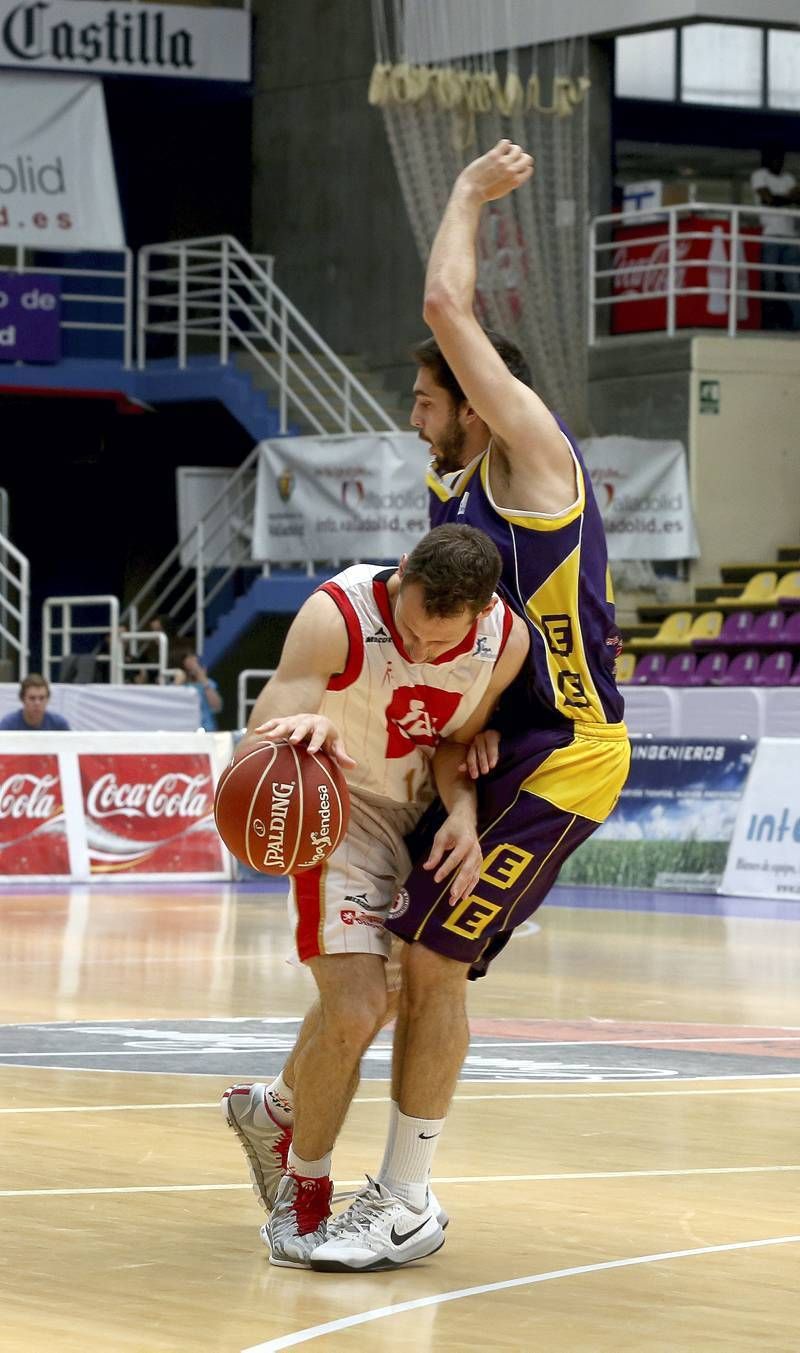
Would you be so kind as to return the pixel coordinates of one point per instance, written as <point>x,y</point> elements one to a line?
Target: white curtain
<point>532,245</point>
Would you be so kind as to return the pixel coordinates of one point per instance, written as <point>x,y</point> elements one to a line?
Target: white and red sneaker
<point>265,1142</point>
<point>298,1221</point>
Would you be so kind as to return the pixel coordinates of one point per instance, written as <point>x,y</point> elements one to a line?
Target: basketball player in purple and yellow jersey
<point>503,463</point>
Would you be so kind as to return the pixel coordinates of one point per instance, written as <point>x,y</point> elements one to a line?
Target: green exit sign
<point>709,396</point>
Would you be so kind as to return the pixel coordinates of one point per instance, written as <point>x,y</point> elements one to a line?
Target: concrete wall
<point>326,200</point>
<point>639,387</point>
<point>744,461</point>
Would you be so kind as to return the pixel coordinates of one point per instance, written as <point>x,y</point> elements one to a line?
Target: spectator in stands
<point>34,692</point>
<point>776,187</point>
<point>190,672</point>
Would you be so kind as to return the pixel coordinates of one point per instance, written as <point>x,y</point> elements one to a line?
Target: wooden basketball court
<point>621,1165</point>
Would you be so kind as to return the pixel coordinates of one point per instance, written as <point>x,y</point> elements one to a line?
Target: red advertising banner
<point>641,269</point>
<point>150,814</point>
<point>33,830</point>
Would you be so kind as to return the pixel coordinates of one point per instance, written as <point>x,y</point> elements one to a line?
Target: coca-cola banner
<point>33,828</point>
<point>150,814</point>
<point>642,490</point>
<point>111,806</point>
<point>700,276</point>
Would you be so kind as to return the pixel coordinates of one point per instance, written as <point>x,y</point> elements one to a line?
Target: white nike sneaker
<point>298,1221</point>
<point>264,1142</point>
<point>437,1209</point>
<point>378,1231</point>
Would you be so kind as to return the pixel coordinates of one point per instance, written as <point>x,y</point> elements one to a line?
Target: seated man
<point>34,692</point>
<point>401,668</point>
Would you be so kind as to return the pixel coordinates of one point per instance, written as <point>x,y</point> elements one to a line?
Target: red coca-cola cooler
<point>640,260</point>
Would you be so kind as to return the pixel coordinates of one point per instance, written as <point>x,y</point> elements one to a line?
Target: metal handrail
<point>69,629</point>
<point>244,702</point>
<point>134,639</point>
<point>674,266</point>
<point>15,623</point>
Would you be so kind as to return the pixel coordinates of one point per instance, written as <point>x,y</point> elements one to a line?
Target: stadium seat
<point>790,634</point>
<point>759,588</point>
<point>710,669</point>
<point>680,670</point>
<point>787,588</point>
<point>79,668</point>
<point>650,670</point>
<point>625,667</point>
<point>775,670</point>
<point>768,627</point>
<point>705,626</point>
<point>673,630</point>
<point>735,631</point>
<point>795,677</point>
<point>742,670</point>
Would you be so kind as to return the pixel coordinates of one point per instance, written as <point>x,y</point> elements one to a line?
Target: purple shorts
<point>529,821</point>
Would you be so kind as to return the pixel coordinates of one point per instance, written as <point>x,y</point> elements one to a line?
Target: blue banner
<point>674,820</point>
<point>30,318</point>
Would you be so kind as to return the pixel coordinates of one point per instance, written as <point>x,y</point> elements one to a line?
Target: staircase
<point>321,416</point>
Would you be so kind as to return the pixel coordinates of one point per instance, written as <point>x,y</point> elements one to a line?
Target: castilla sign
<point>89,35</point>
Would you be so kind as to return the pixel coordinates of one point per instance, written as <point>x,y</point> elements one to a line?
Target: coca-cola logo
<point>645,272</point>
<point>29,796</point>
<point>172,795</point>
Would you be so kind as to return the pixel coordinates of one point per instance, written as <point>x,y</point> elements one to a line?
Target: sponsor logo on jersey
<point>483,648</point>
<point>415,716</point>
<point>401,904</point>
<point>381,636</point>
<point>350,917</point>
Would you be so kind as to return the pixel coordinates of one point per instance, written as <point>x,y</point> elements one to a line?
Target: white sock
<point>394,1110</point>
<point>309,1169</point>
<point>408,1169</point>
<point>279,1101</point>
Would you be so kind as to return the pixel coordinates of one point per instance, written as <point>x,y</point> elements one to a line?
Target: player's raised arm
<point>517,417</point>
<point>315,649</point>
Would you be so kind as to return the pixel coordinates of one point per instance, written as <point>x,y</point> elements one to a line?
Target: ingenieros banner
<point>70,807</point>
<point>674,821</point>
<point>344,497</point>
<point>764,857</point>
<point>58,189</point>
<point>642,490</point>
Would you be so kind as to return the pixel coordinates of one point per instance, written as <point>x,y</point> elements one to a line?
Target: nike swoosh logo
<point>400,1240</point>
<point>428,1137</point>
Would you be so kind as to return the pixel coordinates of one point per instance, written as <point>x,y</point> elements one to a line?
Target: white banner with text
<point>339,498</point>
<point>179,41</point>
<point>58,189</point>
<point>642,490</point>
<point>764,854</point>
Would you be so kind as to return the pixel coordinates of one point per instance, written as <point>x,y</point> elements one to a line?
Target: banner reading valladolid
<point>764,856</point>
<point>642,490</point>
<point>57,183</point>
<point>347,497</point>
<point>674,820</point>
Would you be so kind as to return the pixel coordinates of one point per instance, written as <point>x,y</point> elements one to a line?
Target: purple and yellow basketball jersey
<point>555,575</point>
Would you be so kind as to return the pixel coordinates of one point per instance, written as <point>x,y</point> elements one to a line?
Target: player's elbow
<point>440,307</point>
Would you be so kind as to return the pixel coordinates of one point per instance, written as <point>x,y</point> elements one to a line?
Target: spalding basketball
<point>282,809</point>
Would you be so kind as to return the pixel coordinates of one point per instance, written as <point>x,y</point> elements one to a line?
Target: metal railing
<point>244,700</point>
<point>136,668</point>
<point>694,266</point>
<point>61,627</point>
<point>84,288</point>
<point>15,604</point>
<point>213,289</point>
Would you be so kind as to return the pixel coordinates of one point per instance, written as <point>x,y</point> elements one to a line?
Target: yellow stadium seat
<point>760,587</point>
<point>788,586</point>
<point>674,630</point>
<point>706,626</point>
<point>625,668</point>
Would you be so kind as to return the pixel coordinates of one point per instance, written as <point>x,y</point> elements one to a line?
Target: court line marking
<point>438,1179</point>
<point>439,1298</point>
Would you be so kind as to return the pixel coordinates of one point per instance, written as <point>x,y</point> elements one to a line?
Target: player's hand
<point>315,730</point>
<point>483,754</point>
<point>497,173</point>
<point>456,848</point>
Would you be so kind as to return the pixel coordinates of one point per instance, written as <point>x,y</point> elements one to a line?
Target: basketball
<point>282,809</point>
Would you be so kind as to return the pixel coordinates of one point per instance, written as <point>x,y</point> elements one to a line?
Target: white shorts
<point>340,907</point>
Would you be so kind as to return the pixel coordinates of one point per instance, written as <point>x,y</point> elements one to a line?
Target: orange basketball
<point>282,809</point>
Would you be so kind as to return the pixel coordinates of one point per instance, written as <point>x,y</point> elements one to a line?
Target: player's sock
<point>394,1110</point>
<point>279,1101</point>
<point>308,1169</point>
<point>408,1170</point>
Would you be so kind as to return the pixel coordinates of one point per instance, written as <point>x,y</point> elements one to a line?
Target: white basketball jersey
<point>393,712</point>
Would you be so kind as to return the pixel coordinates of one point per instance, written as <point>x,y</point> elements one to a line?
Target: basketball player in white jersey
<point>392,672</point>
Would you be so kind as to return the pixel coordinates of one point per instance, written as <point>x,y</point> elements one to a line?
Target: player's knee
<point>353,1017</point>
<point>429,977</point>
